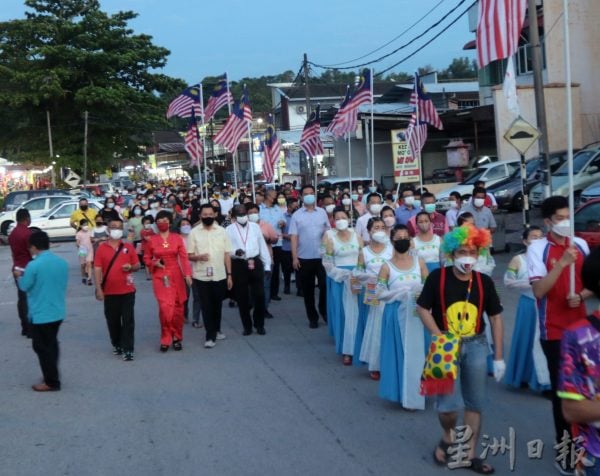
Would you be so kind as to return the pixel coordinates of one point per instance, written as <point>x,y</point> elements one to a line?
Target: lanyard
<point>237,227</point>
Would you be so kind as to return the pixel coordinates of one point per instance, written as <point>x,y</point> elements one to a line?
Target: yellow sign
<point>522,135</point>
<point>406,167</point>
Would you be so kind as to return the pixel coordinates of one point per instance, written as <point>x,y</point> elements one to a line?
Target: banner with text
<point>406,167</point>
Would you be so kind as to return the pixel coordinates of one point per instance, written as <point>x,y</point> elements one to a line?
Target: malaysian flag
<point>272,148</point>
<point>193,145</point>
<point>183,104</point>
<point>310,142</point>
<point>237,124</point>
<point>425,110</point>
<point>219,97</point>
<point>362,94</point>
<point>345,120</point>
<point>416,136</point>
<point>498,29</point>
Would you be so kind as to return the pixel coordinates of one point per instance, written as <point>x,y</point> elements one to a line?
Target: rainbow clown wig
<point>466,235</point>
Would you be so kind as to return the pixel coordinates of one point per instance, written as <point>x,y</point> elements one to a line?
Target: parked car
<point>490,173</point>
<point>36,207</point>
<point>98,189</point>
<point>342,182</point>
<point>590,193</point>
<point>56,221</point>
<point>16,198</point>
<point>508,192</point>
<point>586,171</point>
<point>587,222</point>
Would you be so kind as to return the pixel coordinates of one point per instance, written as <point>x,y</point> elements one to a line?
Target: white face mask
<point>478,202</point>
<point>389,221</point>
<point>409,200</point>
<point>137,212</point>
<point>254,217</point>
<point>116,234</point>
<point>380,236</point>
<point>562,228</point>
<point>465,264</point>
<point>154,205</point>
<point>454,204</point>
<point>375,209</point>
<point>110,205</point>
<point>341,224</point>
<point>346,201</point>
<point>329,209</point>
<point>186,229</point>
<point>148,226</point>
<point>85,228</point>
<point>242,220</point>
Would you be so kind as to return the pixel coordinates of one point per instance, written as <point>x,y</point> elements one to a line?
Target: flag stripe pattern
<point>345,120</point>
<point>271,150</point>
<point>310,141</point>
<point>362,95</point>
<point>183,104</point>
<point>193,145</point>
<point>236,126</point>
<point>422,103</point>
<point>498,29</point>
<point>417,136</point>
<point>219,97</point>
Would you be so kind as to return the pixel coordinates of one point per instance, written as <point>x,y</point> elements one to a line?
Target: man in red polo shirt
<point>549,260</point>
<point>114,262</point>
<point>19,247</point>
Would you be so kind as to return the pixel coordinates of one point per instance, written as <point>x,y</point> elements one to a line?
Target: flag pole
<point>372,134</point>
<point>203,144</point>
<point>569,111</point>
<point>367,145</point>
<point>251,157</point>
<point>350,176</point>
<point>235,152</point>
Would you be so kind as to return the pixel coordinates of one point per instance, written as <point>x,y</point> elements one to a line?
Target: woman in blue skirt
<point>402,334</point>
<point>527,362</point>
<point>342,246</point>
<point>426,244</point>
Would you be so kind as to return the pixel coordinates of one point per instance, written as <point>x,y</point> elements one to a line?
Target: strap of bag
<point>443,297</point>
<point>112,261</point>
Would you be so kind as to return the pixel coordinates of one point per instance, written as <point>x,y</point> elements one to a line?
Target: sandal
<point>442,445</point>
<point>347,360</point>
<point>177,345</point>
<point>375,375</point>
<point>480,467</point>
<point>197,325</point>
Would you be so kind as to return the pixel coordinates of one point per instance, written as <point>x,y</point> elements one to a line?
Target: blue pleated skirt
<point>363,313</point>
<point>392,355</point>
<point>335,311</point>
<point>432,266</point>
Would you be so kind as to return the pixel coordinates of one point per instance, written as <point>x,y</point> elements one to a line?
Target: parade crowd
<point>404,290</point>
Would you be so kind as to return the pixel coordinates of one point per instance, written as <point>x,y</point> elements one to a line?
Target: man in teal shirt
<point>45,282</point>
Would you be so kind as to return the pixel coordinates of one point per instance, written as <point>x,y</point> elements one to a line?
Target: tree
<point>460,68</point>
<point>67,57</point>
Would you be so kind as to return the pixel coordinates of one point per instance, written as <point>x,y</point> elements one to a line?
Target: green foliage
<point>460,68</point>
<point>66,57</point>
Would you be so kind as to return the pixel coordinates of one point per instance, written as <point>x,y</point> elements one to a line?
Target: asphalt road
<point>279,404</point>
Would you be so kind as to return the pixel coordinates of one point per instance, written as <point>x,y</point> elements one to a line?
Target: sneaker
<point>128,356</point>
<point>209,344</point>
<point>117,351</point>
<point>221,336</point>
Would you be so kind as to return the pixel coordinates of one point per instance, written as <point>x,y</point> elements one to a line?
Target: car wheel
<point>517,202</point>
<point>5,226</point>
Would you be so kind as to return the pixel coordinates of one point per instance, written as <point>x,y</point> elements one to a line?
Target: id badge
<point>209,271</point>
<point>250,264</point>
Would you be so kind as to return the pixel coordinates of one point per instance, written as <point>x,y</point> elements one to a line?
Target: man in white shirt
<point>373,209</point>
<point>250,260</point>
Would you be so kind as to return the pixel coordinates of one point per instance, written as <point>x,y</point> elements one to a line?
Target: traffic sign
<point>522,135</point>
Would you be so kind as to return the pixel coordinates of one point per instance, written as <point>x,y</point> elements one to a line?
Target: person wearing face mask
<point>109,212</point>
<point>402,350</point>
<point>114,262</point>
<point>134,225</point>
<point>153,209</point>
<point>286,250</point>
<point>225,202</point>
<point>389,201</point>
<point>408,209</point>
<point>484,218</point>
<point>451,306</point>
<point>84,211</point>
<point>99,233</point>
<point>250,261</point>
<point>272,215</point>
<point>307,226</point>
<point>282,202</point>
<point>166,258</point>
<point>374,209</point>
<point>145,235</point>
<point>526,362</point>
<point>426,244</point>
<point>346,203</point>
<point>455,209</point>
<point>439,225</point>
<point>208,249</point>
<point>370,260</point>
<point>342,246</point>
<point>85,251</point>
<point>548,263</point>
<point>357,204</point>
<point>328,204</point>
<point>389,218</point>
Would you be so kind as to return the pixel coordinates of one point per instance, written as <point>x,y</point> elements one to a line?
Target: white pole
<point>372,135</point>
<point>251,157</point>
<point>234,155</point>
<point>350,177</point>
<point>569,135</point>
<point>203,145</point>
<point>367,146</point>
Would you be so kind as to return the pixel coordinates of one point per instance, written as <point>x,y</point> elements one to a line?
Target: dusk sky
<point>260,38</point>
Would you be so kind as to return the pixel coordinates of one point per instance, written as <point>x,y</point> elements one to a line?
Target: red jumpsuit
<point>169,283</point>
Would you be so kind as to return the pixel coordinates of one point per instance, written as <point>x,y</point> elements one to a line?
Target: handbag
<point>110,265</point>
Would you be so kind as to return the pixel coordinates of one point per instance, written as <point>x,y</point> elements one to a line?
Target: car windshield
<point>474,176</point>
<point>579,162</point>
<point>52,210</point>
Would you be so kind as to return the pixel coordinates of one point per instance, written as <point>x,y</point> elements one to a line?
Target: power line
<point>393,39</point>
<point>377,60</point>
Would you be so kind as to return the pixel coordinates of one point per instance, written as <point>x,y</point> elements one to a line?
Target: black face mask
<point>402,246</point>
<point>83,207</point>
<point>207,221</point>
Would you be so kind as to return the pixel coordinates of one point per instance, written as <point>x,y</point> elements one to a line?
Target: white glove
<point>499,369</point>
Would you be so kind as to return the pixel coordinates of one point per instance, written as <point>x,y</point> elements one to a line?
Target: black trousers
<point>287,269</point>
<point>210,298</point>
<point>23,310</point>
<point>551,349</point>
<point>118,310</point>
<point>275,267</point>
<point>311,269</point>
<point>196,304</point>
<point>248,285</point>
<point>45,345</point>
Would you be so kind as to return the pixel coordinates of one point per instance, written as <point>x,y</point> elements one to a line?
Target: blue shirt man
<point>45,282</point>
<point>407,210</point>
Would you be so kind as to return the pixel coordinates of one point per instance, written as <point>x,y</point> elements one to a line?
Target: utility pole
<point>53,173</point>
<point>85,145</point>
<point>538,87</point>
